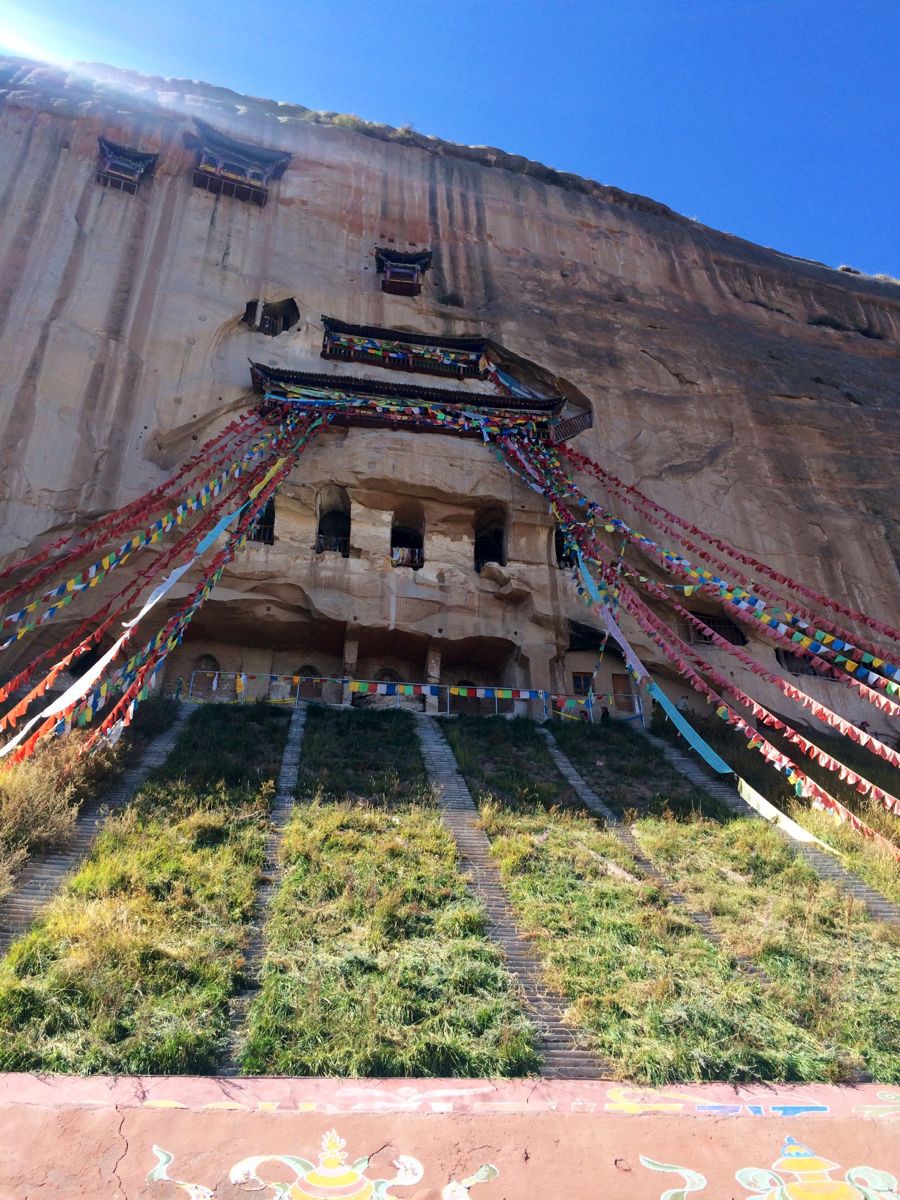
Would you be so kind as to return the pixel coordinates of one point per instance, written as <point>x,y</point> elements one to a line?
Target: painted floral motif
<point>813,1179</point>
<point>693,1181</point>
<point>160,1172</point>
<point>799,1174</point>
<point>887,1110</point>
<point>332,1178</point>
<point>461,1190</point>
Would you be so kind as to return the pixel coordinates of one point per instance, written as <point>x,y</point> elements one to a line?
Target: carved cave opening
<point>271,317</point>
<point>490,538</point>
<point>408,537</point>
<point>263,528</point>
<point>333,529</point>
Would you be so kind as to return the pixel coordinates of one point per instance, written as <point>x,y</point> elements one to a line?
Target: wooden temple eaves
<point>299,387</point>
<point>227,167</point>
<point>123,168</point>
<point>432,354</point>
<point>401,271</point>
<point>280,383</point>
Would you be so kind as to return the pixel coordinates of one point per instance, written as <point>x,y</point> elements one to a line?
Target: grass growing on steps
<point>663,1003</point>
<point>508,759</point>
<point>660,1001</point>
<point>870,861</point>
<point>627,772</point>
<point>377,963</point>
<point>40,797</point>
<point>833,968</point>
<point>130,969</point>
<point>361,755</point>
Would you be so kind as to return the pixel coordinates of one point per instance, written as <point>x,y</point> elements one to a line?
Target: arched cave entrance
<point>333,530</point>
<point>490,538</point>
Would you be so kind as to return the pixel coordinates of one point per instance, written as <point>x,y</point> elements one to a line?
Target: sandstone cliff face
<point>751,392</point>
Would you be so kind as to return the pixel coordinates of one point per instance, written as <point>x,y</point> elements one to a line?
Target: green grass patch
<point>40,797</point>
<point>363,755</point>
<point>627,772</point>
<point>377,962</point>
<point>834,970</point>
<point>131,967</point>
<point>659,1000</point>
<point>873,863</point>
<point>509,760</point>
<point>865,857</point>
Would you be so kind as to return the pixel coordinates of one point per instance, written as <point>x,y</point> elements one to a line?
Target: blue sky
<point>778,120</point>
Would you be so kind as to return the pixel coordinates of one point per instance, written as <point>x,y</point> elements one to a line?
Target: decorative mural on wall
<point>332,1177</point>
<point>798,1174</point>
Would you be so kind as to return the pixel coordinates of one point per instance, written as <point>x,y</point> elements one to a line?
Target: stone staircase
<point>255,949</point>
<point>564,1055</point>
<point>824,864</point>
<point>623,834</point>
<point>43,875</point>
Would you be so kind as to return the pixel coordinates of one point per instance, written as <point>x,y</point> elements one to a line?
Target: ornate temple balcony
<point>401,273</point>
<point>123,168</point>
<point>226,167</point>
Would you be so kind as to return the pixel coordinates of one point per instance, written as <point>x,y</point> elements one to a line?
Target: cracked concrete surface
<point>94,1138</point>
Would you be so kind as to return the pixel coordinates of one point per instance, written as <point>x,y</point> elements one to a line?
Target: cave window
<point>796,664</point>
<point>387,676</point>
<point>407,546</point>
<point>582,682</point>
<point>272,318</point>
<point>85,661</point>
<point>565,557</point>
<point>263,528</point>
<point>333,531</point>
<point>207,663</point>
<point>719,624</point>
<point>490,539</point>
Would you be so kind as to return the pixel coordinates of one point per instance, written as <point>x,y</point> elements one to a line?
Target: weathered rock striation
<point>754,393</point>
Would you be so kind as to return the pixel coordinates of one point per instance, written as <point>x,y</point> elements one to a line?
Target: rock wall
<point>751,392</point>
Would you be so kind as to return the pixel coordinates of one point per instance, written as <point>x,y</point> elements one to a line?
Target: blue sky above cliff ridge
<point>777,120</point>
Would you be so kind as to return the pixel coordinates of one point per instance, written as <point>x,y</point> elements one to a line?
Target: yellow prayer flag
<point>267,478</point>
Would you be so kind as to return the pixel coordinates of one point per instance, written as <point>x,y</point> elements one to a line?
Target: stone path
<point>255,949</point>
<point>564,1056</point>
<point>623,834</point>
<point>824,864</point>
<point>43,875</point>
